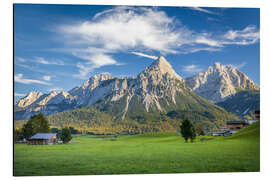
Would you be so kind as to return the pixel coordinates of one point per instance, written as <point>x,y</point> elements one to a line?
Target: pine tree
<point>65,135</point>
<point>192,133</point>
<point>187,130</point>
<point>36,124</point>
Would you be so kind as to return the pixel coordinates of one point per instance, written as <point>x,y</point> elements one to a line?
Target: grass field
<point>139,154</point>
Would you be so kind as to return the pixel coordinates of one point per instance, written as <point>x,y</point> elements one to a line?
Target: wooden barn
<point>43,138</point>
<point>235,126</point>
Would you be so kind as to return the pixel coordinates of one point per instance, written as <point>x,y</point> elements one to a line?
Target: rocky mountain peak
<point>101,77</point>
<point>94,81</point>
<point>219,82</point>
<point>54,92</point>
<point>218,65</point>
<point>161,66</point>
<point>29,99</point>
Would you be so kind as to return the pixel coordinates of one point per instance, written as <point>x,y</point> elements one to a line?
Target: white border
<point>6,85</point>
<point>201,3</point>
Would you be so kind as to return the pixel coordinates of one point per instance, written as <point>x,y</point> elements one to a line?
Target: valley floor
<point>139,154</point>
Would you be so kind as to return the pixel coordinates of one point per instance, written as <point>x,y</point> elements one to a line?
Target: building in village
<point>235,126</point>
<point>232,127</point>
<point>43,138</point>
<point>255,118</point>
<point>222,131</point>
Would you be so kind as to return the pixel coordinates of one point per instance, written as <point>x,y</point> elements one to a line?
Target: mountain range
<point>155,100</point>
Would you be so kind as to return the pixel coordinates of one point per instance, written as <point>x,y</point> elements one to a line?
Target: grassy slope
<point>250,132</point>
<point>145,153</point>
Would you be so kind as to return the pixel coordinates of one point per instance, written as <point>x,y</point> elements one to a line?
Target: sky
<point>58,47</point>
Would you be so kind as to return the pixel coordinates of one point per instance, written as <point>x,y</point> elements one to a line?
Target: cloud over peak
<point>125,29</point>
<point>145,55</point>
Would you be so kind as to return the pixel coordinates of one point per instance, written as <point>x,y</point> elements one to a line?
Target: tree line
<point>39,124</point>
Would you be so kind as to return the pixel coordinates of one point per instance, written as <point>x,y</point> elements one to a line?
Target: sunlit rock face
<point>219,82</point>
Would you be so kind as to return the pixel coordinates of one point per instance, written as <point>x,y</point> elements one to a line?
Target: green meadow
<point>139,154</point>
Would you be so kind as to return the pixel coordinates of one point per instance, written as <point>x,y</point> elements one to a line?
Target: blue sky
<point>58,47</point>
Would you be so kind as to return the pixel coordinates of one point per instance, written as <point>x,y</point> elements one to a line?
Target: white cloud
<point>46,78</point>
<point>247,36</point>
<point>124,29</point>
<point>203,10</point>
<point>238,66</point>
<point>93,61</point>
<point>208,41</point>
<point>20,59</point>
<point>197,49</point>
<point>30,67</point>
<point>42,60</point>
<point>119,30</point>
<point>19,94</point>
<point>145,55</point>
<point>19,79</point>
<point>192,69</point>
<point>127,28</point>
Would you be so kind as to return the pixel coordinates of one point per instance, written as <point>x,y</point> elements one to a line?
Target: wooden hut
<point>235,126</point>
<point>43,138</point>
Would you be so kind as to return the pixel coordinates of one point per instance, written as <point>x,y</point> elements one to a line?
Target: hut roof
<point>43,136</point>
<point>236,122</point>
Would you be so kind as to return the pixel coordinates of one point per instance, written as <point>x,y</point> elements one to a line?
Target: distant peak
<point>54,92</point>
<point>94,80</point>
<point>34,93</point>
<point>226,67</point>
<point>217,64</point>
<point>101,76</point>
<point>29,99</point>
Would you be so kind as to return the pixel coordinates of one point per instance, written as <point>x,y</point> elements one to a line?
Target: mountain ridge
<point>156,99</point>
<point>156,88</point>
